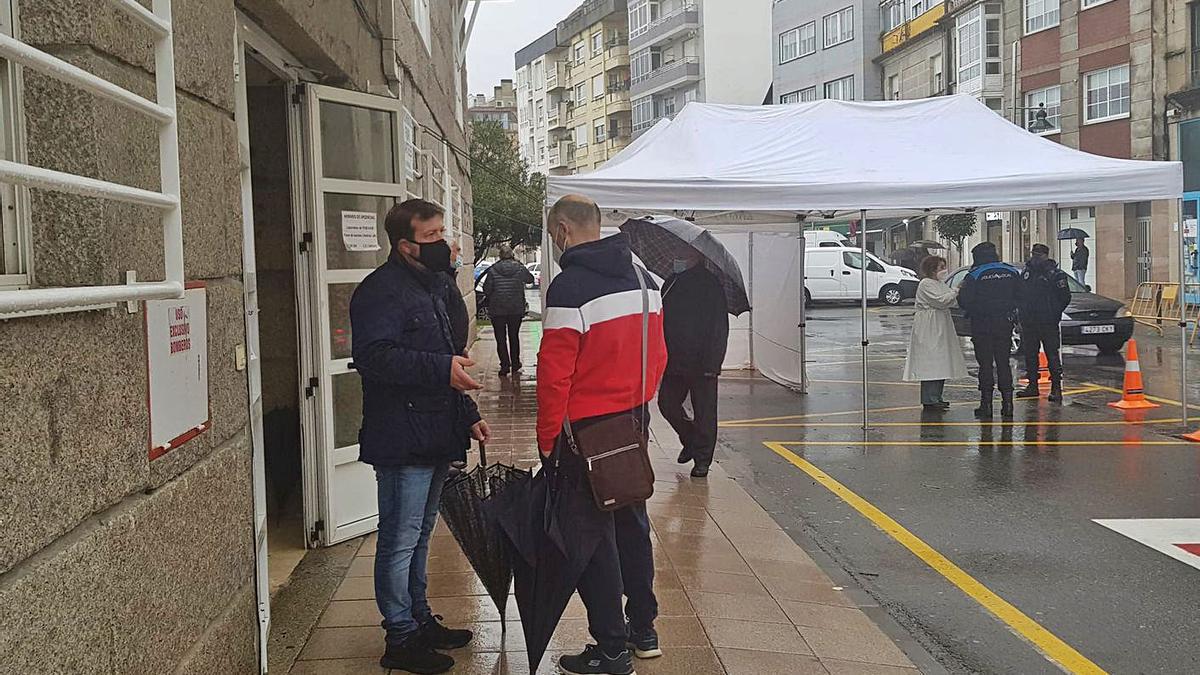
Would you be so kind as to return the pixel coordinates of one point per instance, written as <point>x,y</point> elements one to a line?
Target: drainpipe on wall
<point>390,65</point>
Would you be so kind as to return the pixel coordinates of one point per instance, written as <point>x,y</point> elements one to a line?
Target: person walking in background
<point>504,285</point>
<point>460,318</point>
<point>1045,295</point>
<point>696,328</point>
<point>988,294</point>
<point>1079,261</point>
<point>934,351</point>
<point>417,419</point>
<point>590,367</point>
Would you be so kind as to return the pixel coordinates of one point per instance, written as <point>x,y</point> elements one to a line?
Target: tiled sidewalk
<point>736,594</point>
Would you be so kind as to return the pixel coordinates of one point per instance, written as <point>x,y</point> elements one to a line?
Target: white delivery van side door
<point>822,274</point>
<point>852,275</point>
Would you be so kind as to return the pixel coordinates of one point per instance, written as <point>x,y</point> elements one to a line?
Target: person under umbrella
<point>696,328</point>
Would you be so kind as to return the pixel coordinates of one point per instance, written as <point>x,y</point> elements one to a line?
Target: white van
<point>836,274</point>
<point>825,239</point>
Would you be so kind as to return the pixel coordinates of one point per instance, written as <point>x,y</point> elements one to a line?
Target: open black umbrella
<point>1072,233</point>
<point>482,542</point>
<point>552,544</point>
<point>659,241</point>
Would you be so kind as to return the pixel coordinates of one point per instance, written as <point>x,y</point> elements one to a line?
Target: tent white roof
<point>891,157</point>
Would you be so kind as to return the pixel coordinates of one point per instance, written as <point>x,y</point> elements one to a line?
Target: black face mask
<point>435,255</point>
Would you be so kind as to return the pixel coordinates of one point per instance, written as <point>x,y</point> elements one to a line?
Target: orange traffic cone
<point>1134,397</point>
<point>1043,370</point>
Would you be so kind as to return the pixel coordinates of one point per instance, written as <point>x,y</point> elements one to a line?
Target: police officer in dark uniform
<point>1045,294</point>
<point>989,296</point>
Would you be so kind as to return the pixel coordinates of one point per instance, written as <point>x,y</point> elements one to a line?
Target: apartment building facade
<point>718,51</point>
<point>825,49</point>
<point>1097,69</point>
<point>1182,114</point>
<point>595,62</point>
<point>573,105</point>
<point>541,106</point>
<point>499,108</point>
<point>138,489</point>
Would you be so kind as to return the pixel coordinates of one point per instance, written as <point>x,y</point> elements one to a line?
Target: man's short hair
<point>575,209</point>
<point>399,221</point>
<point>506,252</point>
<point>1040,249</point>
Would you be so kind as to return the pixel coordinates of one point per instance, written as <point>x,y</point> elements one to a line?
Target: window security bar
<point>163,112</point>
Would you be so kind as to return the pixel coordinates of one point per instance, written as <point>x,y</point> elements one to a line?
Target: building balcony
<point>561,155</point>
<point>670,76</point>
<point>618,102</point>
<point>556,116</point>
<point>666,28</point>
<point>616,57</point>
<point>620,137</point>
<point>557,75</point>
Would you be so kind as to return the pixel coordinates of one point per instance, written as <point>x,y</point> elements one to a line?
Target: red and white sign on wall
<point>177,365</point>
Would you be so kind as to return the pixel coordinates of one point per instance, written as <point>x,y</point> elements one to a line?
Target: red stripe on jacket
<point>585,370</point>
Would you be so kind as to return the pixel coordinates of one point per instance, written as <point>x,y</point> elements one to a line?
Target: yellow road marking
<point>1114,390</point>
<point>987,442</point>
<point>760,420</point>
<point>976,423</point>
<point>903,384</point>
<point>1050,645</point>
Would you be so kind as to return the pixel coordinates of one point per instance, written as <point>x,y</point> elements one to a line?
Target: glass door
<point>354,142</point>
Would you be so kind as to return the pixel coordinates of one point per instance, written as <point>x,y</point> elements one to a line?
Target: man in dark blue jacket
<point>417,419</point>
<point>989,296</point>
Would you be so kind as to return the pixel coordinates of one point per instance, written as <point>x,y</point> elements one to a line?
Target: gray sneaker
<point>644,643</point>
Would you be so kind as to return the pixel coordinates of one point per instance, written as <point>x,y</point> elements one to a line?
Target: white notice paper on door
<point>359,231</point>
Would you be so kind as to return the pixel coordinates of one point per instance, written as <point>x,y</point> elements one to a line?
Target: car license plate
<point>1093,330</point>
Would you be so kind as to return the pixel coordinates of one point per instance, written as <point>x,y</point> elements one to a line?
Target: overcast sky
<point>503,27</point>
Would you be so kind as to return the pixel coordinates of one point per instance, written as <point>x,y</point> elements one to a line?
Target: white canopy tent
<point>740,169</point>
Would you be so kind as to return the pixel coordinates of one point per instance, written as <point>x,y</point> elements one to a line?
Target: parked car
<point>481,267</point>
<point>535,268</point>
<point>1090,319</point>
<point>836,274</point>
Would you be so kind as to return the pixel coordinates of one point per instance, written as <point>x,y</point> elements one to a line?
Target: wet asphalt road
<point>1010,504</point>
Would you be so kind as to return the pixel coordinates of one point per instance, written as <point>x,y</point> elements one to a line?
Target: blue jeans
<point>1080,276</point>
<point>408,507</point>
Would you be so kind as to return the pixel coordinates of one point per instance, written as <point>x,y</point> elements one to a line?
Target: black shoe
<point>944,405</point>
<point>439,637</point>
<point>684,457</point>
<point>934,406</point>
<point>593,661</point>
<point>1056,395</point>
<point>503,372</point>
<point>644,643</point>
<point>1030,391</point>
<point>1006,405</point>
<point>700,471</point>
<point>984,411</point>
<point>517,368</point>
<point>415,656</point>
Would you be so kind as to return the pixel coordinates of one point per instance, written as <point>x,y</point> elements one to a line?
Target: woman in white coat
<point>934,351</point>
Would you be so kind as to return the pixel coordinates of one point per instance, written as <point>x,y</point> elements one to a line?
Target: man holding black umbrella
<point>696,328</point>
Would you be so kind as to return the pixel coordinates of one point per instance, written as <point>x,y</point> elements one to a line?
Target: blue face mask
<point>458,263</point>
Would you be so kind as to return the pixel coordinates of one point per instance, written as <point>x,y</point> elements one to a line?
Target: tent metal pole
<point>1183,323</point>
<point>803,313</point>
<point>750,291</point>
<point>862,247</point>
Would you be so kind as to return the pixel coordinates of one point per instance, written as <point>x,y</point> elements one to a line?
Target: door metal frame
<point>248,36</point>
<point>321,279</point>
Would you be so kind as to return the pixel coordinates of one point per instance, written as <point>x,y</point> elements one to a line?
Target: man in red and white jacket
<point>590,365</point>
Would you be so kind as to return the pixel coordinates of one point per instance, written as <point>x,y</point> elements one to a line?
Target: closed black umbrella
<point>552,542</point>
<point>659,241</point>
<point>482,542</point>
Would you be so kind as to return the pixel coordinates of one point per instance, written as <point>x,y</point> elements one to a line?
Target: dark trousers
<point>931,391</point>
<point>508,340</point>
<point>637,565</point>
<point>698,434</point>
<point>1037,337</point>
<point>992,350</point>
<point>600,587</point>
